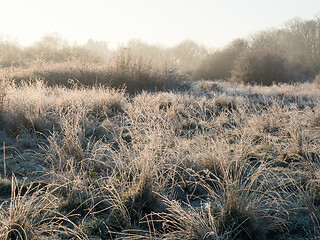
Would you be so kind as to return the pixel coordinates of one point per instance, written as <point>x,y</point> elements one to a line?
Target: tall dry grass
<point>221,161</point>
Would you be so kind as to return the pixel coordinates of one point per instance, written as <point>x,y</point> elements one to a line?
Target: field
<point>137,143</point>
<point>211,160</point>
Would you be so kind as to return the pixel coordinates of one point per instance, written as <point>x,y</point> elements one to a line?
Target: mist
<point>176,140</point>
<point>295,47</point>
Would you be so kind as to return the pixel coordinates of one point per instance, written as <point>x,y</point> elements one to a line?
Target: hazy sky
<point>168,22</point>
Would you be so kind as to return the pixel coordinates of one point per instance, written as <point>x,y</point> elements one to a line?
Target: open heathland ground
<point>135,143</point>
<point>215,160</point>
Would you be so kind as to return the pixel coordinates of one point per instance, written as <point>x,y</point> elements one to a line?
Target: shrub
<point>219,64</point>
<point>3,91</point>
<point>137,73</point>
<point>260,66</point>
<point>124,69</point>
<point>10,54</point>
<point>317,79</point>
<point>188,55</point>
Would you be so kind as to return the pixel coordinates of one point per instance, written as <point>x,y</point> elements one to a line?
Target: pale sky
<point>213,23</point>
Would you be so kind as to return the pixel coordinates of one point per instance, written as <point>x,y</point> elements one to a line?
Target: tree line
<point>288,54</point>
